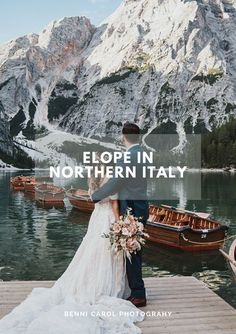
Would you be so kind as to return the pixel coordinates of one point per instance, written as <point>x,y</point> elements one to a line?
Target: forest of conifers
<point>219,146</point>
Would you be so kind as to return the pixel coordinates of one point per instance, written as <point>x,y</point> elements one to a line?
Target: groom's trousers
<point>134,275</point>
<point>134,268</point>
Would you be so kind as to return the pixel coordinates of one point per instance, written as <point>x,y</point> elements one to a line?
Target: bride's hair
<point>95,183</point>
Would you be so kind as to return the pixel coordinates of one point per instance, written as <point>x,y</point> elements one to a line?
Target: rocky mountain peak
<point>66,32</point>
<point>168,60</point>
<point>169,65</point>
<point>31,66</point>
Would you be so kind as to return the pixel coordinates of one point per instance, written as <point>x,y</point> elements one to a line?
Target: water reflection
<point>188,188</point>
<point>38,242</point>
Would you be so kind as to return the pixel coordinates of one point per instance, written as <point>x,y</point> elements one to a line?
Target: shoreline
<point>191,170</point>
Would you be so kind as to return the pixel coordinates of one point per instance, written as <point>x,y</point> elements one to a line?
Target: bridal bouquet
<point>127,235</point>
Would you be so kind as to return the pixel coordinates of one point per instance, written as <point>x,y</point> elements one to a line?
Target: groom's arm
<point>111,187</point>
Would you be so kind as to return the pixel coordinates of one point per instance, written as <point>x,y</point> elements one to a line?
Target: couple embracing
<point>97,281</point>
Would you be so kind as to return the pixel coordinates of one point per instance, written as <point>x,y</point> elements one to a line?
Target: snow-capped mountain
<point>159,61</point>
<point>169,65</point>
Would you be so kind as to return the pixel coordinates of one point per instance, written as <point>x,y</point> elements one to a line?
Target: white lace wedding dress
<point>86,299</point>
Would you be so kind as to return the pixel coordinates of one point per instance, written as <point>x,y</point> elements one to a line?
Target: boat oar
<point>227,257</point>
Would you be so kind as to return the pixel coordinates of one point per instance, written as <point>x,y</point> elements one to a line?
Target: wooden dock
<point>195,309</point>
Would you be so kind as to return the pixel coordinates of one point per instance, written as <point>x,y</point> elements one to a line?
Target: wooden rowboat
<point>80,200</point>
<point>181,229</point>
<point>231,257</point>
<point>48,193</point>
<point>30,185</point>
<point>18,182</point>
<point>33,182</point>
<point>184,230</point>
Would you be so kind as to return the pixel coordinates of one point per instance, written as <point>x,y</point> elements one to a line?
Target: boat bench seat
<point>201,224</point>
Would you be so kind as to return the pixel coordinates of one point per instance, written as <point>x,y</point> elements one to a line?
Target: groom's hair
<point>131,132</point>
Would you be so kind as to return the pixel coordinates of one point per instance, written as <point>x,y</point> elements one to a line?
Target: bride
<point>87,298</point>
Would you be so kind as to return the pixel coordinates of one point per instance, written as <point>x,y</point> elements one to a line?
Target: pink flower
<point>125,231</point>
<point>116,228</point>
<point>132,229</point>
<point>132,219</point>
<point>126,221</point>
<point>130,243</point>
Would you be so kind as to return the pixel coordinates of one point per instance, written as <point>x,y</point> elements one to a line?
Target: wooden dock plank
<point>193,307</point>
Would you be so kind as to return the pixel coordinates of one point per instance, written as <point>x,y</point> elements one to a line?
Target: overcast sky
<point>21,17</point>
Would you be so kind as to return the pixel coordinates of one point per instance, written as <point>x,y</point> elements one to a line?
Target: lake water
<point>37,243</point>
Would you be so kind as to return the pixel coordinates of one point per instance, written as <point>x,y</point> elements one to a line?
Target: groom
<point>132,194</point>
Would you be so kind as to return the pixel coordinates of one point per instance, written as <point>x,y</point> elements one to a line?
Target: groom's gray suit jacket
<point>132,192</point>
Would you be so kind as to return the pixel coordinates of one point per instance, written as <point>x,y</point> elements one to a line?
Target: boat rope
<point>207,243</point>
